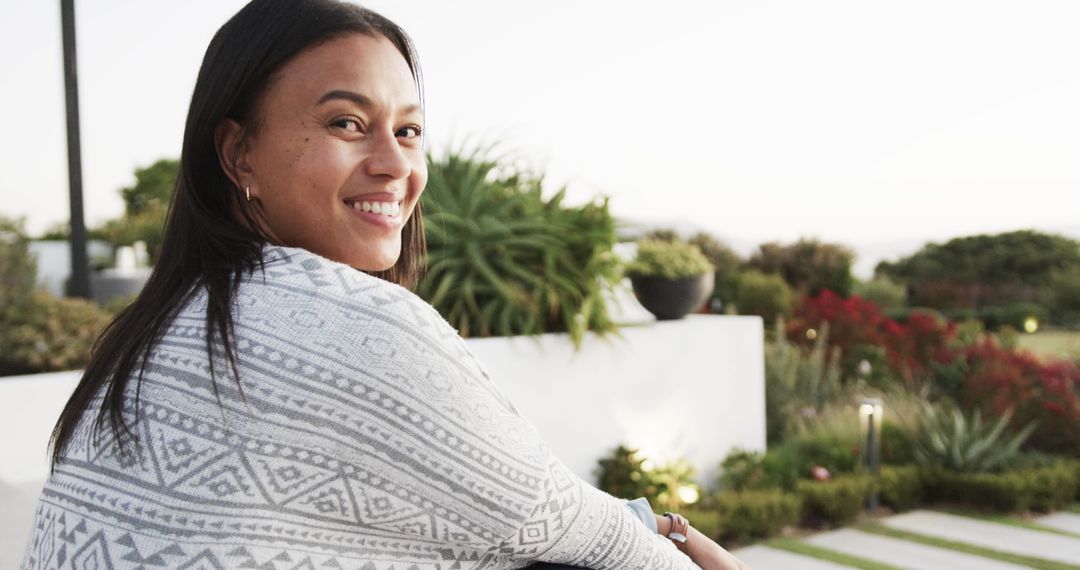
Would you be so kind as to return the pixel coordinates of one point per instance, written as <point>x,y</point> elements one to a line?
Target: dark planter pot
<point>670,299</point>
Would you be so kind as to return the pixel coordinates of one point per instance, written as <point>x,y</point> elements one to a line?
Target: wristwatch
<point>680,529</point>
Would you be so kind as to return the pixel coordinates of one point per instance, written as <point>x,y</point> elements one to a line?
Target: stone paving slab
<point>765,558</point>
<point>903,553</point>
<point>1000,537</point>
<point>1068,522</point>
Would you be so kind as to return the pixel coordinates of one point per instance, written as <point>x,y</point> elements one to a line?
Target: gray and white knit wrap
<point>366,437</point>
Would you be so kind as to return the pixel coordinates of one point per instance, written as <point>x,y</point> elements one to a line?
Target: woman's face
<point>336,162</point>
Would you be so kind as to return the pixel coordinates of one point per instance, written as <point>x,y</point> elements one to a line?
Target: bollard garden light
<point>870,413</point>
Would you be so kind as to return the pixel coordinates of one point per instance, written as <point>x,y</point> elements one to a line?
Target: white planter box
<point>692,388</point>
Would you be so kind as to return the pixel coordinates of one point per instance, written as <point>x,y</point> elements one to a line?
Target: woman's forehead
<point>369,65</point>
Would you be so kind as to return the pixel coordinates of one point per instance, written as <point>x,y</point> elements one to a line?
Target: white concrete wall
<point>29,406</point>
<point>54,261</point>
<point>693,388</point>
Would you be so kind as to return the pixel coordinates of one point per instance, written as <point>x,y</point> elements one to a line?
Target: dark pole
<point>80,266</point>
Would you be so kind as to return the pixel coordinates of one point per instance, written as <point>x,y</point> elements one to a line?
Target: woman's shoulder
<point>296,280</point>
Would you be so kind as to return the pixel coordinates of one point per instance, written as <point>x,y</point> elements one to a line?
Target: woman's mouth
<point>388,209</point>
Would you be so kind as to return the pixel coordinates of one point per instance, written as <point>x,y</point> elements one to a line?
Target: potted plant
<point>670,278</point>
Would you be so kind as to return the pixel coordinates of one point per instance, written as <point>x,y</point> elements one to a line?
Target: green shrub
<point>668,259</point>
<point>901,487</point>
<point>765,295</point>
<point>1007,492</point>
<point>950,439</point>
<point>1043,488</point>
<point>797,381</point>
<point>620,474</point>
<point>897,444</point>
<point>725,262</point>
<point>741,470</point>
<point>794,459</point>
<point>505,260</point>
<point>1065,297</point>
<point>1053,486</point>
<point>836,501</point>
<point>707,521</point>
<point>884,292</point>
<point>1011,315</point>
<point>47,334</point>
<point>623,473</point>
<point>757,514</point>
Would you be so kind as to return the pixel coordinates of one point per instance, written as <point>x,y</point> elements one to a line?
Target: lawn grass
<point>1037,563</point>
<point>1073,508</point>
<point>1052,344</point>
<point>800,547</point>
<point>1008,520</point>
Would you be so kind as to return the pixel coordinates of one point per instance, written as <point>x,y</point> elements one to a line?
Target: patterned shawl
<point>365,436</point>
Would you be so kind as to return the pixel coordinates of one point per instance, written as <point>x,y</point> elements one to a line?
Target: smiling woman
<point>353,428</point>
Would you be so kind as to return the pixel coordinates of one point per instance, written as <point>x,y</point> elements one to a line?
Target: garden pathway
<point>1000,537</point>
<point>1068,522</point>
<point>763,558</point>
<point>902,553</point>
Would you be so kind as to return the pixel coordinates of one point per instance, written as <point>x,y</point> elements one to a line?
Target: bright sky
<point>877,124</point>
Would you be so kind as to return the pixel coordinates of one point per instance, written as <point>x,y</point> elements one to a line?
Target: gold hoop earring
<point>247,193</point>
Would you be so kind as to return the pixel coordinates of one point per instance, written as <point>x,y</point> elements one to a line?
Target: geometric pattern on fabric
<point>361,434</point>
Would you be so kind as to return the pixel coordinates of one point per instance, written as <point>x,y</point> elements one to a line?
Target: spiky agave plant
<point>503,260</point>
<point>950,439</point>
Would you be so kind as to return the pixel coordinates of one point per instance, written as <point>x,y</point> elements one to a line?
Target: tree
<point>726,262</point>
<point>985,270</point>
<point>808,265</point>
<point>146,206</point>
<point>18,271</point>
<point>153,187</point>
<point>762,294</point>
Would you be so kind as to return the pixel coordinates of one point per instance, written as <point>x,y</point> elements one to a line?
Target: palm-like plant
<point>503,260</point>
<point>950,439</point>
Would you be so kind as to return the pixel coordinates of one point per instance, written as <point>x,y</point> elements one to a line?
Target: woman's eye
<point>348,123</point>
<point>410,132</point>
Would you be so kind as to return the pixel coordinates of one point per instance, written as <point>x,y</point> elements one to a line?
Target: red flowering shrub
<point>999,379</point>
<point>855,323</point>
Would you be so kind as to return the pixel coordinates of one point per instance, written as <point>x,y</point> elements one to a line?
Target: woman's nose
<point>386,158</point>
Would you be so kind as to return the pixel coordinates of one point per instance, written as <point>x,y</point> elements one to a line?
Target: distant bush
<point>765,295</point>
<point>1043,393</point>
<point>1065,298</point>
<point>708,522</point>
<point>797,381</point>
<point>622,473</point>
<point>901,488</point>
<point>808,265</point>
<point>884,292</point>
<point>1012,315</point>
<point>48,334</point>
<point>757,514</point>
<point>837,501</point>
<point>1040,488</point>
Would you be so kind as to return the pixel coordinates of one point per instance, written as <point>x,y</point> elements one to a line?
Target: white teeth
<point>390,209</point>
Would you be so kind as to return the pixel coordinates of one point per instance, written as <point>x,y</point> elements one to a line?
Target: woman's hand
<point>702,550</point>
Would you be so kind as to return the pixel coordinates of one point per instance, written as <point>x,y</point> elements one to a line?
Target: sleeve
<point>430,448</point>
<point>532,505</point>
<point>575,523</point>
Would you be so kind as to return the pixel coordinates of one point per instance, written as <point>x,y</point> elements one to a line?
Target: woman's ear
<point>230,142</point>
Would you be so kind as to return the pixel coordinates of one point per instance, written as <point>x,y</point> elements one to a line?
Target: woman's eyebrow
<point>363,101</point>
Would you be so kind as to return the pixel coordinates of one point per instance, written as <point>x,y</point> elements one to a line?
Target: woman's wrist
<point>701,549</point>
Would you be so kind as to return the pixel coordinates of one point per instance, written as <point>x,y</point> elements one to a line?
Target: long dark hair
<point>204,247</point>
